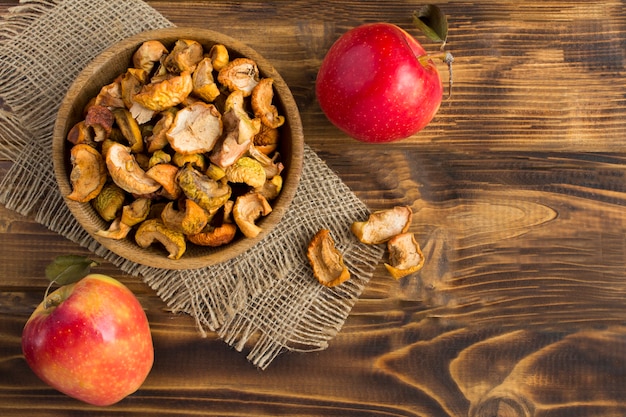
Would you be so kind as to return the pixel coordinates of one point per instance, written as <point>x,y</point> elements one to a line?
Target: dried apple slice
<point>240,74</point>
<point>208,193</point>
<point>383,225</point>
<point>326,261</point>
<point>261,101</point>
<point>159,96</point>
<point>405,255</point>
<point>185,56</point>
<point>148,55</point>
<point>130,129</point>
<point>216,236</point>
<point>204,85</point>
<point>126,172</point>
<point>88,174</point>
<point>247,209</point>
<point>196,129</point>
<point>153,230</point>
<point>246,170</point>
<point>117,230</point>
<point>165,175</point>
<point>189,218</point>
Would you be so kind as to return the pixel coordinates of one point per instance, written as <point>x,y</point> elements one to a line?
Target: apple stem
<point>47,301</point>
<point>447,59</point>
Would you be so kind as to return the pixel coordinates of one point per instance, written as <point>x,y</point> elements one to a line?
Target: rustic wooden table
<point>519,189</point>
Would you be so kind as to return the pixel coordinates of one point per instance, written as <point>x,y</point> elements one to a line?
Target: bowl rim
<point>157,258</point>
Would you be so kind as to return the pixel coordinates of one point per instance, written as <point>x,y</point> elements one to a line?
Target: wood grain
<point>519,192</point>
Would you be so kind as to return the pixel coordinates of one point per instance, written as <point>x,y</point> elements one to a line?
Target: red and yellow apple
<point>90,340</point>
<point>378,84</point>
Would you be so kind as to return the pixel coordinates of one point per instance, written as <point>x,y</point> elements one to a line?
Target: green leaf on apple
<point>432,22</point>
<point>67,269</point>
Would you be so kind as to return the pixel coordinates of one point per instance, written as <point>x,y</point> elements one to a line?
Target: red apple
<point>90,340</point>
<point>378,84</point>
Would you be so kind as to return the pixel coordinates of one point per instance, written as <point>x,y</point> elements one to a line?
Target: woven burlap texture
<point>263,302</point>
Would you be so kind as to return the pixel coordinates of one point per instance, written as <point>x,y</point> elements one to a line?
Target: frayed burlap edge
<point>265,300</point>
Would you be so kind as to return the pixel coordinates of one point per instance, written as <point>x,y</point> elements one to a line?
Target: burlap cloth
<point>264,302</point>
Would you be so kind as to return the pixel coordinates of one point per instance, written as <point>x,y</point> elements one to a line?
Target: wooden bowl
<point>113,62</point>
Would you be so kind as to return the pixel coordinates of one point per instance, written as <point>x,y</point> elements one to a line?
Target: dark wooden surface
<point>519,190</point>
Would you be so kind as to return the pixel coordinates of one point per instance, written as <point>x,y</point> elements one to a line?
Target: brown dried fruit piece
<point>246,170</point>
<point>185,56</point>
<point>196,160</point>
<point>162,95</point>
<point>239,131</point>
<point>326,261</point>
<point>204,85</point>
<point>196,129</point>
<point>247,209</point>
<point>271,165</point>
<point>219,56</point>
<point>110,95</point>
<point>188,219</point>
<point>100,119</point>
<point>148,54</point>
<point>165,175</point>
<point>158,139</point>
<point>89,173</point>
<point>216,236</point>
<point>383,225</point>
<point>117,230</point>
<point>109,201</point>
<point>208,193</point>
<point>153,230</point>
<point>271,188</point>
<point>261,101</point>
<point>266,140</point>
<point>405,255</point>
<point>137,211</point>
<point>126,172</point>
<point>131,83</point>
<point>130,129</point>
<point>80,133</point>
<point>240,74</point>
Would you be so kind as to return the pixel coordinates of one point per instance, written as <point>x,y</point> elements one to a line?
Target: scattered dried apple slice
<point>383,225</point>
<point>326,261</point>
<point>405,255</point>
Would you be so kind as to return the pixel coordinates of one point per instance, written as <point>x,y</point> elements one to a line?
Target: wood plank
<point>518,192</point>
